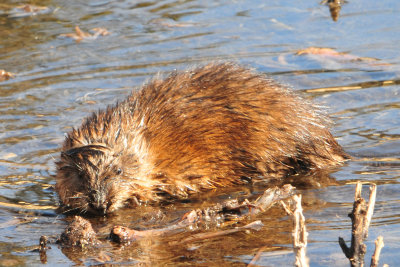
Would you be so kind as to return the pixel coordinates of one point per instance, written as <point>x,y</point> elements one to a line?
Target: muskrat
<point>214,126</point>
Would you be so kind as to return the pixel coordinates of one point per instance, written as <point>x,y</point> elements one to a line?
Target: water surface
<point>59,81</point>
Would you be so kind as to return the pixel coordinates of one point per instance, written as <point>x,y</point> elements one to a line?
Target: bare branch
<point>361,218</point>
<point>378,247</point>
<point>371,206</point>
<point>299,232</point>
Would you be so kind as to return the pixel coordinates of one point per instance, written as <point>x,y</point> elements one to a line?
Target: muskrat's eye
<point>118,171</point>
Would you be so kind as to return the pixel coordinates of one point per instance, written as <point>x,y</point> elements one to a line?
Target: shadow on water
<point>58,81</point>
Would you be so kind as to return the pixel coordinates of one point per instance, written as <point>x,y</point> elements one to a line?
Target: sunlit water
<point>59,81</point>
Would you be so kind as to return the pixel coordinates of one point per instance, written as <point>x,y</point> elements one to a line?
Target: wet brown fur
<point>210,127</point>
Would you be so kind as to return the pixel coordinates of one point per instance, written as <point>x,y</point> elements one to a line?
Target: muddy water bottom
<point>57,80</point>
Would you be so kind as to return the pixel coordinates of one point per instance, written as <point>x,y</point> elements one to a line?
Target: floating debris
<point>330,52</point>
<point>80,35</point>
<point>271,196</point>
<point>43,248</point>
<point>171,23</point>
<point>5,75</point>
<point>79,233</point>
<point>27,11</point>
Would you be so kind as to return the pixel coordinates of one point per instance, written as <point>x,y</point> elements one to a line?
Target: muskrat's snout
<point>98,203</point>
<point>98,208</point>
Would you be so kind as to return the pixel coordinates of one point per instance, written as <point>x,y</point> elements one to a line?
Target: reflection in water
<point>58,82</point>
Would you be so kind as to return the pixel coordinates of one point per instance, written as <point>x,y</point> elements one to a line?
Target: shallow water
<point>59,81</point>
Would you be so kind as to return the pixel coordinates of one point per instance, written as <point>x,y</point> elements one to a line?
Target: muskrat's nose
<point>98,202</point>
<point>99,208</point>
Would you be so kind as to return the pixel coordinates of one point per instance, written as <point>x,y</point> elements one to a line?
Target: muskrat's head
<point>95,179</point>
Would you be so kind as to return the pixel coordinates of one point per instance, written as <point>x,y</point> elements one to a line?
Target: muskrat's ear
<point>84,157</point>
<point>67,162</point>
<point>89,150</point>
<point>65,155</point>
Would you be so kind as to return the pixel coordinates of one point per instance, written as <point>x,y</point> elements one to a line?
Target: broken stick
<point>361,218</point>
<point>378,247</point>
<point>271,196</point>
<point>299,231</point>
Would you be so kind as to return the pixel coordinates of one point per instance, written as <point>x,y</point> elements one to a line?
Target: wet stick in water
<point>271,196</point>
<point>299,231</point>
<point>361,218</point>
<point>43,248</point>
<point>378,247</point>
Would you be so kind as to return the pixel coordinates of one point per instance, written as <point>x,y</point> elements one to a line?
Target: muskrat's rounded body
<point>210,127</point>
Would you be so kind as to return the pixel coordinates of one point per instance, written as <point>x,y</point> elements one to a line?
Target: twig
<point>256,257</point>
<point>271,196</point>
<point>378,247</point>
<point>42,249</point>
<point>256,225</point>
<point>361,218</point>
<point>299,232</point>
<point>354,86</point>
<point>371,206</point>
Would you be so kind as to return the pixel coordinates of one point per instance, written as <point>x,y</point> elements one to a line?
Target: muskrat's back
<point>214,126</point>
